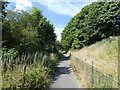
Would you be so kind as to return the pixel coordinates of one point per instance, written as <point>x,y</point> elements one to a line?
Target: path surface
<point>65,77</point>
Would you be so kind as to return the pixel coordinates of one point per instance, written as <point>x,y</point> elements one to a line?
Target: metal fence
<point>91,77</point>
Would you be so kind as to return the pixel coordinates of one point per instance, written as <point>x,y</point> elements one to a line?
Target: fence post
<point>24,71</point>
<point>92,75</point>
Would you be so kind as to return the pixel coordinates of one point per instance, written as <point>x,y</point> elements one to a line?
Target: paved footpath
<point>65,77</point>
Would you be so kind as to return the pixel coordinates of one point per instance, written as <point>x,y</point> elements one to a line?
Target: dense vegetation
<point>29,49</point>
<point>94,22</point>
<point>29,46</point>
<point>28,32</point>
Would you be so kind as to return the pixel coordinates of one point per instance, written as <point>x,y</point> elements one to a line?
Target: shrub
<point>38,78</point>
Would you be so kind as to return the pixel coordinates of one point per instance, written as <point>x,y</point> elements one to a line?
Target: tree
<point>96,21</point>
<point>28,31</point>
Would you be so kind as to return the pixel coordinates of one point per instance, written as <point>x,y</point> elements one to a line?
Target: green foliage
<point>58,46</point>
<point>35,77</point>
<point>38,73</point>
<point>12,53</point>
<point>8,56</point>
<point>27,30</point>
<point>38,78</point>
<point>96,21</point>
<point>29,39</point>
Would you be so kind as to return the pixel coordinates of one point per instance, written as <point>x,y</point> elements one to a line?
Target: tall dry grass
<point>39,68</point>
<point>104,56</point>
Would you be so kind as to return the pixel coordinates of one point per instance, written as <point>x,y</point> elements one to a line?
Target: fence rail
<point>92,77</point>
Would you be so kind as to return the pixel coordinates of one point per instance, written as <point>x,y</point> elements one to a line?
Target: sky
<point>59,12</point>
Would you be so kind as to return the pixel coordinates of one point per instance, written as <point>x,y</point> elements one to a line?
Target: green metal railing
<point>92,77</point>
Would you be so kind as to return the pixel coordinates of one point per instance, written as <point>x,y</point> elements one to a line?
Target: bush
<point>38,78</point>
<point>8,56</point>
<point>11,53</point>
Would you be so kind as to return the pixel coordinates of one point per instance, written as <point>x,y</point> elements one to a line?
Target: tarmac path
<point>65,77</point>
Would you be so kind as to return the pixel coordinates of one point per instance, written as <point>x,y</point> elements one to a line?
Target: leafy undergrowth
<point>37,74</point>
<point>35,77</point>
<point>103,54</point>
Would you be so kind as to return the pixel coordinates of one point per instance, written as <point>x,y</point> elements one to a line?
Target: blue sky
<point>59,12</point>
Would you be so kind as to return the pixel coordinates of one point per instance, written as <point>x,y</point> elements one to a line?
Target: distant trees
<point>28,32</point>
<point>96,21</point>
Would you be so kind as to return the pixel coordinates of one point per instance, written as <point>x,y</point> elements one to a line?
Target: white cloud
<point>62,7</point>
<point>58,31</point>
<point>69,8</point>
<point>22,5</point>
<point>65,0</point>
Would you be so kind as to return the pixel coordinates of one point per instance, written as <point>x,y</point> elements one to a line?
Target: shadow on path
<point>65,58</point>
<point>64,77</point>
<point>65,69</point>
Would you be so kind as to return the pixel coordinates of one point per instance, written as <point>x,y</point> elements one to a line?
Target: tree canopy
<point>28,31</point>
<point>93,23</point>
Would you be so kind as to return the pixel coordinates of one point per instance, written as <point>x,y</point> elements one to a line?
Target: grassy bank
<point>103,56</point>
